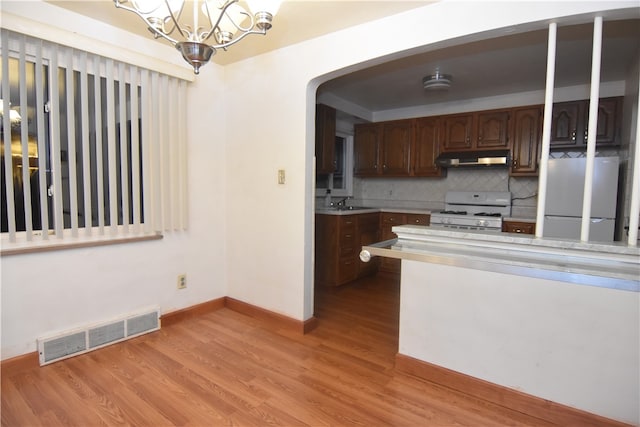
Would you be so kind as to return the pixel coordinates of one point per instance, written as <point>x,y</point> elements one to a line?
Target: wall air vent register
<point>78,341</point>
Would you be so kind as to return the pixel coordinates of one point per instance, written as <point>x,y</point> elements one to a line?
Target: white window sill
<point>55,244</point>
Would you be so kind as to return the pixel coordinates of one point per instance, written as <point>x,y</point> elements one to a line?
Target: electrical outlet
<point>182,281</point>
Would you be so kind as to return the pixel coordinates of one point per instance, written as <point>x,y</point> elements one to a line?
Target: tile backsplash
<point>428,193</point>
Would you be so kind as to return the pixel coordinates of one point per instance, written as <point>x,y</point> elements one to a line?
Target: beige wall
<point>270,230</point>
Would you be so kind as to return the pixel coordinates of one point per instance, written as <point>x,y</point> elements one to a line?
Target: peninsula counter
<point>558,320</point>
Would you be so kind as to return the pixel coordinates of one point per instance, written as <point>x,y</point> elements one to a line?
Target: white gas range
<point>473,210</point>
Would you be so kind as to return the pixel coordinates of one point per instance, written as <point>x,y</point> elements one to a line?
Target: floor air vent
<point>79,341</point>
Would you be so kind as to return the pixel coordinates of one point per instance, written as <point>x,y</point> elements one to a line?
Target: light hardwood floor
<point>224,368</point>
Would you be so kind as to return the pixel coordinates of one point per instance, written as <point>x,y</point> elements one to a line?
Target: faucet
<point>342,202</point>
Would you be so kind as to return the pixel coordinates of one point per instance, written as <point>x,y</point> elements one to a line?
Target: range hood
<point>474,159</point>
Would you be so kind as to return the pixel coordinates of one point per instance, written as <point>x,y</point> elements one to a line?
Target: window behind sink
<point>340,182</point>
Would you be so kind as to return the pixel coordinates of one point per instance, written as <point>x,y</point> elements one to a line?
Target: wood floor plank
<point>223,368</point>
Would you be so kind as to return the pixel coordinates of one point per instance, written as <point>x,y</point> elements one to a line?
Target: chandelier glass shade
<point>197,28</point>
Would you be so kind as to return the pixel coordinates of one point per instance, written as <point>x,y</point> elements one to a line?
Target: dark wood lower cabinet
<point>368,233</point>
<point>338,242</point>
<point>387,221</point>
<point>339,239</point>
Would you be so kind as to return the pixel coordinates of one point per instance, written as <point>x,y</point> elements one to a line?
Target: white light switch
<point>281,179</point>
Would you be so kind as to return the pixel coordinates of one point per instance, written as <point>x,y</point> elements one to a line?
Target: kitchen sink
<point>351,208</point>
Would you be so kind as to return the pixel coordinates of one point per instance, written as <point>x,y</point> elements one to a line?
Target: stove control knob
<point>481,223</point>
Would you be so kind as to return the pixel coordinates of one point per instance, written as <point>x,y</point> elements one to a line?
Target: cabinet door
<point>608,124</point>
<point>368,233</point>
<point>397,137</point>
<point>527,138</point>
<point>457,132</point>
<point>567,124</point>
<point>325,139</point>
<point>427,147</point>
<point>366,148</point>
<point>492,129</point>
<point>387,221</point>
<point>326,250</point>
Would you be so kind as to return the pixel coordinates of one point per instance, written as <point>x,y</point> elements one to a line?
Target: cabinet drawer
<point>418,219</point>
<point>347,241</point>
<point>519,227</point>
<point>347,269</point>
<point>347,221</point>
<point>394,218</point>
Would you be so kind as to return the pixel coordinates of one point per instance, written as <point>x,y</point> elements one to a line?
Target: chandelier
<point>198,31</point>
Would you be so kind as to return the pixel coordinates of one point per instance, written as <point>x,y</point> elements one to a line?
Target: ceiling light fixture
<point>437,81</point>
<point>218,20</point>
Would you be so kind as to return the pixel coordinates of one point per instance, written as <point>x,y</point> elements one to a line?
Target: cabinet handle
<point>347,235</point>
<point>586,134</point>
<point>573,135</point>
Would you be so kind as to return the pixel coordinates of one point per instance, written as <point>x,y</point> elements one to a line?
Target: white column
<point>593,126</point>
<point>546,128</point>
<point>634,210</point>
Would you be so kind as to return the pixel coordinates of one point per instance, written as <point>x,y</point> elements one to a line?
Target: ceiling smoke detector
<point>437,81</point>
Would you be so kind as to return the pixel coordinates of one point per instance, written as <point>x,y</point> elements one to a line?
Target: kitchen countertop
<point>614,266</point>
<point>364,210</point>
<point>518,219</point>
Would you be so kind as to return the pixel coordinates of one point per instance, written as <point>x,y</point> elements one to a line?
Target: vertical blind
<point>97,147</point>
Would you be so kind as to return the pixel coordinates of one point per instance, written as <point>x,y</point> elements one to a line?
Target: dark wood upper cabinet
<point>410,147</point>
<point>366,149</point>
<point>483,130</point>
<point>426,147</point>
<point>526,135</point>
<point>567,127</point>
<point>397,138</point>
<point>609,115</point>
<point>570,123</point>
<point>457,132</point>
<point>397,148</point>
<point>492,129</point>
<point>325,139</point>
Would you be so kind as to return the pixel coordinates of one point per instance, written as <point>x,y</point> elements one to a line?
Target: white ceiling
<point>296,21</point>
<point>507,64</point>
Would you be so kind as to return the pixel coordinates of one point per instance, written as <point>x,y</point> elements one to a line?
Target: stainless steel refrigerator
<point>565,194</point>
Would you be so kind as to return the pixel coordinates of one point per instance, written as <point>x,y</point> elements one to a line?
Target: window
<point>340,182</point>
<point>85,150</point>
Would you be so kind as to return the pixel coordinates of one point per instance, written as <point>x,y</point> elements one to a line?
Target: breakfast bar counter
<point>557,320</point>
<point>596,264</point>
